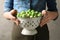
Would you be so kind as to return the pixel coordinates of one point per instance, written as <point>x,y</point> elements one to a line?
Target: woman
<point>37,5</point>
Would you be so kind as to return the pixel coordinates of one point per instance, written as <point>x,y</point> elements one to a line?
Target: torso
<point>37,5</point>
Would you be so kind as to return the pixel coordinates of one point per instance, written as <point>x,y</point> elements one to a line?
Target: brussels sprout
<point>18,15</point>
<point>23,15</point>
<point>32,11</point>
<point>29,14</point>
<point>28,10</point>
<point>39,14</point>
<point>35,16</point>
<point>23,12</point>
<point>36,11</point>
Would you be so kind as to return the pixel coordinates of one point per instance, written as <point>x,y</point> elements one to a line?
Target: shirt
<point>37,5</point>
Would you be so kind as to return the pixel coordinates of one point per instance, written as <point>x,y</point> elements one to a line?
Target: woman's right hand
<point>12,16</point>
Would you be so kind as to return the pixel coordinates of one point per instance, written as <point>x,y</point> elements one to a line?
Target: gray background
<point>6,25</point>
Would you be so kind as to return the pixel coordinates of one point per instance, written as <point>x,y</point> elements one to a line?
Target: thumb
<point>14,12</point>
<point>44,13</point>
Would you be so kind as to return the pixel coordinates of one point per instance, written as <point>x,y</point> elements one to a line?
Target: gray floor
<point>6,26</point>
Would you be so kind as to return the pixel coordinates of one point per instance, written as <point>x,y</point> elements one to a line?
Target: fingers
<point>16,21</point>
<point>10,16</point>
<point>45,18</point>
<point>44,21</point>
<point>13,18</point>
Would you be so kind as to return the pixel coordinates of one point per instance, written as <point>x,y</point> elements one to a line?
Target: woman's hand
<point>12,16</point>
<point>47,17</point>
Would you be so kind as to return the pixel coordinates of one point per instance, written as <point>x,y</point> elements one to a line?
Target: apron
<point>43,33</point>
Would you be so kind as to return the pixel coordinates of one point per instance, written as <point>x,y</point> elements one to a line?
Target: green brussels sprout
<point>36,11</point>
<point>28,10</point>
<point>23,15</point>
<point>39,14</point>
<point>29,14</point>
<point>17,14</point>
<point>32,11</point>
<point>23,12</point>
<point>35,16</point>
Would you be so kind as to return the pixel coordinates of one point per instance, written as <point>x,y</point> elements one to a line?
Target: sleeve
<point>8,5</point>
<point>51,5</point>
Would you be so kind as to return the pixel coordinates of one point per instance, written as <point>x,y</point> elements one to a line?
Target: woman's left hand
<point>47,17</point>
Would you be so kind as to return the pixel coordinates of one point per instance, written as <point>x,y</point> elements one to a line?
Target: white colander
<point>29,25</point>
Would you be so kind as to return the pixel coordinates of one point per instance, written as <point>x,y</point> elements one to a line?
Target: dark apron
<point>43,34</point>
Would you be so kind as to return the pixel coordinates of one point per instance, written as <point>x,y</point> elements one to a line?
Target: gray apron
<point>43,33</point>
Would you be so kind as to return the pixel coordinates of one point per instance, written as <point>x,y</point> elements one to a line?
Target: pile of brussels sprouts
<point>29,14</point>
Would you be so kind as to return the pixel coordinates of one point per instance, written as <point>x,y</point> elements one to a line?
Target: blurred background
<point>6,25</point>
